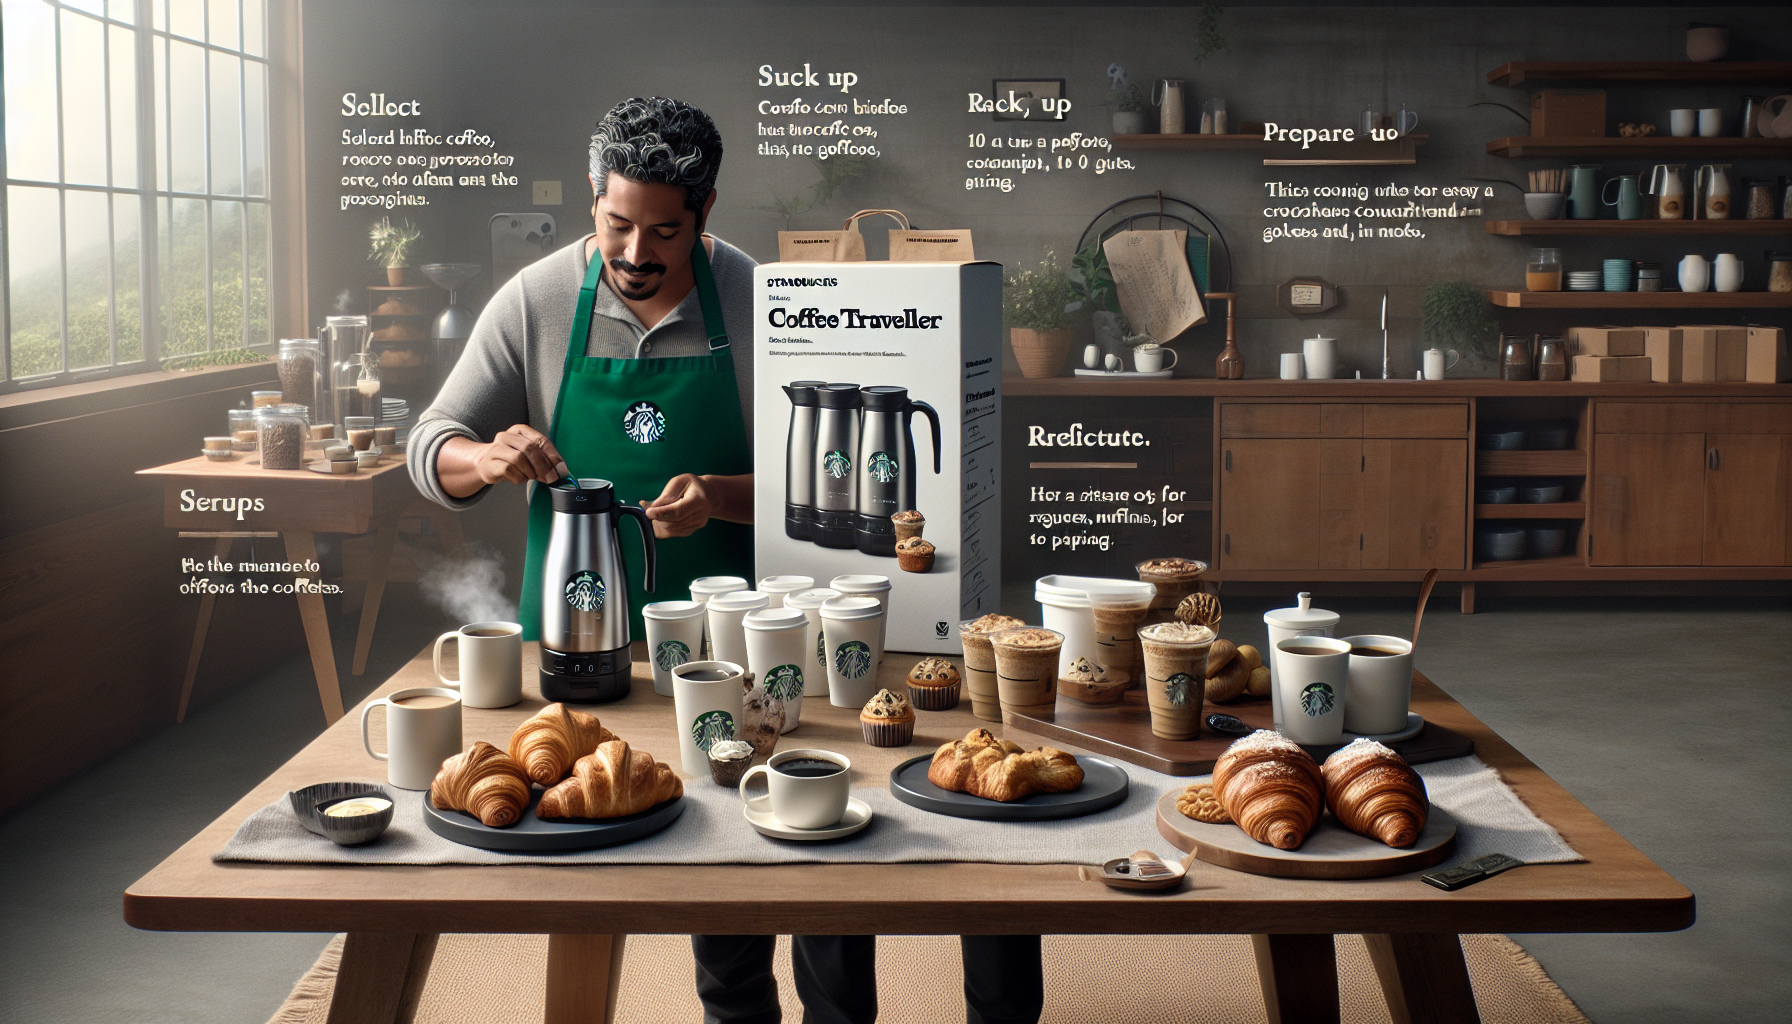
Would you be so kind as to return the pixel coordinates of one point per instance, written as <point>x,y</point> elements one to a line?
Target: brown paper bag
<point>950,245</point>
<point>1151,278</point>
<point>907,245</point>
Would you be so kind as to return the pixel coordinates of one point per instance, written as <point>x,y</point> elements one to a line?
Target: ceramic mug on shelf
<point>809,788</point>
<point>1695,274</point>
<point>422,731</point>
<point>1150,358</point>
<point>1726,273</point>
<point>1683,123</point>
<point>491,663</point>
<point>1291,365</point>
<point>1436,363</point>
<point>1711,122</point>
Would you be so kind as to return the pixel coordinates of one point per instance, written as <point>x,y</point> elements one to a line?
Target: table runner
<point>1490,816</point>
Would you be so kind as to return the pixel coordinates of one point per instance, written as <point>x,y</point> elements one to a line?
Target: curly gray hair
<point>658,141</point>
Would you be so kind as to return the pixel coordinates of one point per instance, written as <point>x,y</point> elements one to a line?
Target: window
<point>136,212</point>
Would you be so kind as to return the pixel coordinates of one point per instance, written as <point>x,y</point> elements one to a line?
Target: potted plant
<point>1129,109</point>
<point>1035,306</point>
<point>1456,311</point>
<point>1092,288</point>
<point>391,246</point>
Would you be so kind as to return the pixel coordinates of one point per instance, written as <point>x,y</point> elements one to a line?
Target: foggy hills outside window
<point>127,121</point>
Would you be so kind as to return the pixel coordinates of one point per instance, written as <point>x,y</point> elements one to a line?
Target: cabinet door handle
<point>1228,547</point>
<point>1713,460</point>
<point>1228,460</point>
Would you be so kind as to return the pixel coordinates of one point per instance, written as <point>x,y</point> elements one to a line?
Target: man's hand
<point>516,455</point>
<point>682,508</point>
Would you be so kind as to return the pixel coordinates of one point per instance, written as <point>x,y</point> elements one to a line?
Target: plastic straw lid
<point>776,620</point>
<point>739,600</point>
<point>849,608</point>
<point>672,611</point>
<point>716,585</point>
<point>810,598</point>
<point>860,584</point>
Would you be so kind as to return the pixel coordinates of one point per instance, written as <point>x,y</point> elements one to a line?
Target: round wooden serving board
<point>1331,851</point>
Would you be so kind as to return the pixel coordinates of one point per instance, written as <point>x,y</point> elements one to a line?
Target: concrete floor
<point>1665,715</point>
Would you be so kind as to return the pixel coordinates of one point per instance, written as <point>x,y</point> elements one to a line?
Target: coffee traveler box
<point>1665,347</point>
<point>934,329</point>
<point>1767,363</point>
<point>1607,341</point>
<point>1714,353</point>
<point>1560,112</point>
<point>1607,369</point>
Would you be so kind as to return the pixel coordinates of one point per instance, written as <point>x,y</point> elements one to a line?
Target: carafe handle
<point>933,418</point>
<point>646,525</point>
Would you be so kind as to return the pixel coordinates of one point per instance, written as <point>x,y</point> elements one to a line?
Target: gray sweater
<point>510,371</point>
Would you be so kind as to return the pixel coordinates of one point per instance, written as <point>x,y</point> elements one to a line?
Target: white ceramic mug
<point>674,636</point>
<point>777,657</point>
<point>1726,273</point>
<point>855,648</point>
<point>868,585</point>
<point>1683,123</point>
<point>1380,688</point>
<point>1320,357</point>
<point>422,731</point>
<point>706,699</point>
<point>815,683</point>
<point>727,640</point>
<point>779,587</point>
<point>1695,273</point>
<point>1711,122</point>
<point>491,663</point>
<point>1291,365</point>
<point>1436,364</point>
<point>1150,358</point>
<point>804,801</point>
<point>1314,680</point>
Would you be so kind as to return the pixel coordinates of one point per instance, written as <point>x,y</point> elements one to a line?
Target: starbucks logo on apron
<point>1178,689</point>
<point>710,728</point>
<point>585,590</point>
<point>837,464</point>
<point>784,682</point>
<point>882,467</point>
<point>1317,699</point>
<point>644,423</point>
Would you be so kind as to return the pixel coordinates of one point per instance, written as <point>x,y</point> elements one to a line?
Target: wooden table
<point>393,914</point>
<point>297,505</point>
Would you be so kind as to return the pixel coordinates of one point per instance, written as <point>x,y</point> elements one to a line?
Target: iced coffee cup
<point>980,662</point>
<point>1027,670</point>
<point>1176,578</point>
<point>1119,612</point>
<point>1175,677</point>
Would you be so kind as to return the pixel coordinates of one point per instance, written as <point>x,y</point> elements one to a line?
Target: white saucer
<point>1414,724</point>
<point>759,815</point>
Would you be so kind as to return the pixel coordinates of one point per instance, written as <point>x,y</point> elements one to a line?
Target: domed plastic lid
<point>776,620</point>
<point>846,608</point>
<point>672,611</point>
<point>1305,616</point>
<point>739,600</point>
<point>807,599</point>
<point>860,583</point>
<point>708,585</point>
<point>786,584</point>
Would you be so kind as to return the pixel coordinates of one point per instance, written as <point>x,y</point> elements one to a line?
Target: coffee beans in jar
<point>298,373</point>
<point>283,430</point>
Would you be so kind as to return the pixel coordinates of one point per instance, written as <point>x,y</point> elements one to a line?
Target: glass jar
<point>1515,358</point>
<point>1543,273</point>
<point>283,431</point>
<point>300,362</point>
<point>1552,359</point>
<point>243,434</point>
<point>1779,274</point>
<point>259,399</point>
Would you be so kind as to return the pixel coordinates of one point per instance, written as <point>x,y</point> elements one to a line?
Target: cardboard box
<point>1767,363</point>
<point>1714,353</point>
<point>1665,347</point>
<point>1607,341</point>
<point>936,330</point>
<point>1608,369</point>
<point>1559,112</point>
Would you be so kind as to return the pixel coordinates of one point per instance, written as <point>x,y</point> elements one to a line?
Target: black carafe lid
<point>802,392</point>
<point>838,396</point>
<point>589,496</point>
<point>884,396</point>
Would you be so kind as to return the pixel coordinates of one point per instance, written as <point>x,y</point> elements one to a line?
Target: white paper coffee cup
<point>727,639</point>
<point>706,701</point>
<point>1314,682</point>
<point>868,585</point>
<point>1380,689</point>
<point>853,627</point>
<point>674,636</point>
<point>779,587</point>
<point>777,657</point>
<point>705,587</point>
<point>815,683</point>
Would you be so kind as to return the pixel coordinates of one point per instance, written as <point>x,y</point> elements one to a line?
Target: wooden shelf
<point>1612,146</point>
<point>1152,140</point>
<point>1399,389</point>
<point>1641,71</point>
<point>1552,562</point>
<point>1520,510</point>
<point>1638,227</point>
<point>1564,462</point>
<point>1322,154</point>
<point>1520,299</point>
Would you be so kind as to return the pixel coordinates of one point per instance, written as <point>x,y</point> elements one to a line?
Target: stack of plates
<point>394,410</point>
<point>1584,280</point>
<point>1620,276</point>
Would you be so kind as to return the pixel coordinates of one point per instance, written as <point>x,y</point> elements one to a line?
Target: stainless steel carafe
<point>884,477</point>
<point>799,460</point>
<point>836,446</point>
<point>584,594</point>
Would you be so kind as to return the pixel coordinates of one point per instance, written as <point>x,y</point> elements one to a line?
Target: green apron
<point>637,423</point>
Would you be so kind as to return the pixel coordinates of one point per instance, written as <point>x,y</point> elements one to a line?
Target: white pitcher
<point>1695,274</point>
<point>1726,273</point>
<point>1669,190</point>
<point>1712,184</point>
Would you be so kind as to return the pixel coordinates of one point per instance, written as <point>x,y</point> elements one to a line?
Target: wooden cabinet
<point>1692,483</point>
<point>1269,504</point>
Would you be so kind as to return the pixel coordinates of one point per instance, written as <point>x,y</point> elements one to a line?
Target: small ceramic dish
<point>1545,541</point>
<point>331,468</point>
<point>1496,495</point>
<point>1549,437</point>
<point>1500,543</point>
<point>1502,440</point>
<point>311,803</point>
<point>1541,492</point>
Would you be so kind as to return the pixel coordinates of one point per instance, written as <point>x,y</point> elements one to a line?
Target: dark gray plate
<point>1104,785</point>
<point>533,835</point>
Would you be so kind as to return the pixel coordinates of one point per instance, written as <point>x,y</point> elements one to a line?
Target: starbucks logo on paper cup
<point>644,423</point>
<point>821,650</point>
<point>1317,699</point>
<point>585,590</point>
<point>670,654</point>
<point>883,467</point>
<point>710,728</point>
<point>1179,689</point>
<point>852,659</point>
<point>784,682</point>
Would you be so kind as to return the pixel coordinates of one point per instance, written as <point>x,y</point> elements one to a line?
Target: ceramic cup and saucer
<point>809,797</point>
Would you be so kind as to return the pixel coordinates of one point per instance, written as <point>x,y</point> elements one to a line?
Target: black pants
<point>836,978</point>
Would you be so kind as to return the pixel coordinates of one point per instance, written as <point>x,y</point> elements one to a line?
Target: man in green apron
<point>612,358</point>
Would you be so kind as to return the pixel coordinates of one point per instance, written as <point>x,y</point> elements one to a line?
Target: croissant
<point>1373,791</point>
<point>994,769</point>
<point>547,744</point>
<point>1271,788</point>
<point>610,782</point>
<point>484,782</point>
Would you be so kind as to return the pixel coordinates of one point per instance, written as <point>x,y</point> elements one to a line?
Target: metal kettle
<point>836,446</point>
<point>885,474</point>
<point>799,460</point>
<point>584,594</point>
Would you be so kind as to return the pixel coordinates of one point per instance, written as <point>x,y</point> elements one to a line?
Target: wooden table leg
<point>381,977</point>
<point>1299,974</point>
<point>1424,978</point>
<point>200,628</point>
<point>301,546</point>
<point>1468,599</point>
<point>376,588</point>
<point>584,973</point>
<point>446,523</point>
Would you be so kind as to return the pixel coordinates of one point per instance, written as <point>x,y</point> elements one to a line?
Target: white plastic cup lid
<point>1304,616</point>
<point>672,611</point>
<point>716,584</point>
<point>849,608</point>
<point>776,620</point>
<point>739,601</point>
<point>785,584</point>
<point>810,598</point>
<point>860,584</point>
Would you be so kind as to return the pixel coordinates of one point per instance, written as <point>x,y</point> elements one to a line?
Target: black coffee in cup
<point>1374,652</point>
<point>808,768</point>
<point>706,675</point>
<point>489,632</point>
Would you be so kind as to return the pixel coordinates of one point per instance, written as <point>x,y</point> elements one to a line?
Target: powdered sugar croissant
<point>1271,788</point>
<point>1374,792</point>
<point>994,769</point>
<point>610,782</point>
<point>484,782</point>
<point>548,744</point>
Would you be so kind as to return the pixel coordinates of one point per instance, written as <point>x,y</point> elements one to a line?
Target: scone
<point>914,555</point>
<point>888,721</point>
<point>933,685</point>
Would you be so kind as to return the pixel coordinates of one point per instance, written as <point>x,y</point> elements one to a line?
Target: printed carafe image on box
<point>877,434</point>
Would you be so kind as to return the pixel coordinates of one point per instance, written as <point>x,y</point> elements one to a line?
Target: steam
<point>471,587</point>
<point>345,302</point>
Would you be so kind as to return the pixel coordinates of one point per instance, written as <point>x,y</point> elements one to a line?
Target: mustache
<point>623,266</point>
